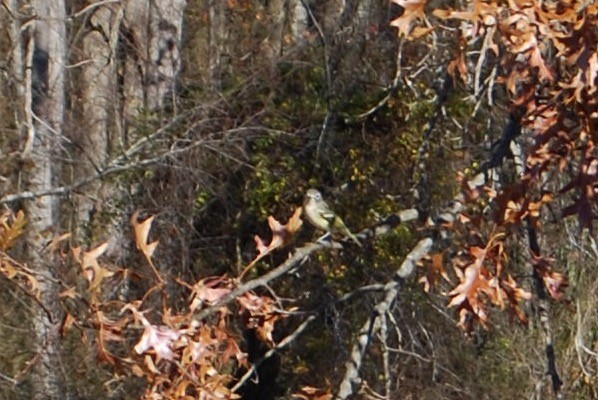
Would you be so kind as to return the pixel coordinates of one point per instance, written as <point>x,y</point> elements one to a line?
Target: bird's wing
<point>327,213</point>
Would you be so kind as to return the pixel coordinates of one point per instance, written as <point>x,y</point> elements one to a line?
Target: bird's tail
<point>340,227</point>
<point>347,232</point>
<point>353,237</point>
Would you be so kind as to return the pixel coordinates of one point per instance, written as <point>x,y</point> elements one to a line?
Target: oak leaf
<point>11,227</point>
<point>90,266</point>
<point>312,393</point>
<point>159,338</point>
<point>281,235</point>
<point>141,230</point>
<point>109,330</point>
<point>554,282</point>
<point>473,282</point>
<point>207,291</point>
<point>434,271</point>
<point>413,10</point>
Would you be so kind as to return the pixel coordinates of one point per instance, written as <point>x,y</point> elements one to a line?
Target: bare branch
<point>391,89</point>
<point>372,325</point>
<point>282,344</point>
<point>119,164</point>
<point>326,46</point>
<point>303,252</point>
<point>92,6</point>
<point>294,260</point>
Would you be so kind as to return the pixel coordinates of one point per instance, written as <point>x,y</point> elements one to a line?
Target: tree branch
<point>372,325</point>
<point>301,254</point>
<point>282,344</point>
<point>329,112</point>
<point>117,165</point>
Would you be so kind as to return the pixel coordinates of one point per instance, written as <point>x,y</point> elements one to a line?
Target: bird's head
<point>313,194</point>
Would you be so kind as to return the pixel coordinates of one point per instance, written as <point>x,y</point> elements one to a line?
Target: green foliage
<point>393,247</point>
<point>201,199</point>
<point>302,91</point>
<point>269,187</point>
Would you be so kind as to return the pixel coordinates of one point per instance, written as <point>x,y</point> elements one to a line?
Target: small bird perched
<point>320,215</point>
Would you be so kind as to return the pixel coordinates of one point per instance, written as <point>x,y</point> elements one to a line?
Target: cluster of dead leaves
<point>483,271</point>
<point>184,358</point>
<point>179,356</point>
<point>282,235</point>
<point>11,228</point>
<point>547,45</point>
<point>483,280</point>
<point>544,54</point>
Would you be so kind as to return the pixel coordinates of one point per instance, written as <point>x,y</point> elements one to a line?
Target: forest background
<point>155,159</point>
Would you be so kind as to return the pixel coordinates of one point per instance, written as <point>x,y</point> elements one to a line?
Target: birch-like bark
<point>101,130</point>
<point>130,56</point>
<point>217,42</point>
<point>48,66</point>
<point>298,21</point>
<point>99,82</point>
<point>288,27</point>
<point>17,53</point>
<point>152,60</point>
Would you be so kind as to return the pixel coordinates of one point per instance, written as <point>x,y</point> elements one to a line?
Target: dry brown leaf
<point>90,266</point>
<point>158,338</point>
<point>141,230</point>
<point>54,245</point>
<point>312,393</point>
<point>281,235</point>
<point>208,291</point>
<point>11,227</point>
<point>413,10</point>
<point>434,271</point>
<point>69,293</point>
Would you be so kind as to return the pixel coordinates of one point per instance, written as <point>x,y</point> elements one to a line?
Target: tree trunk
<point>139,40</point>
<point>48,67</point>
<point>298,21</point>
<point>99,108</point>
<point>217,42</point>
<point>288,26</point>
<point>152,61</point>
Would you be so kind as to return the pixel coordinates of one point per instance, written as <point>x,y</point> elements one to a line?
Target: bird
<point>321,216</point>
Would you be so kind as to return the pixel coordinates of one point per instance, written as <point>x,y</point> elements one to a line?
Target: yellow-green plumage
<point>320,215</point>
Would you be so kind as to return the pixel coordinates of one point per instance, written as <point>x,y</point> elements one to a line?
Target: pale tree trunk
<point>217,42</point>
<point>140,40</point>
<point>365,9</point>
<point>48,70</point>
<point>298,21</point>
<point>99,92</point>
<point>100,129</point>
<point>288,26</point>
<point>356,21</point>
<point>17,54</point>
<point>154,31</point>
<point>275,42</point>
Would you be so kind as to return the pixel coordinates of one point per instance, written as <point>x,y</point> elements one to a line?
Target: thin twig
<point>92,6</point>
<point>119,164</point>
<point>372,325</point>
<point>390,90</point>
<point>282,344</point>
<point>328,72</point>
